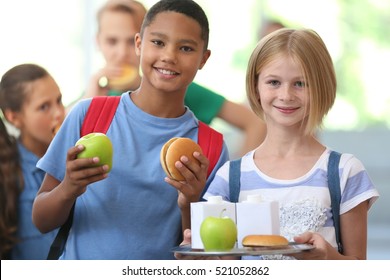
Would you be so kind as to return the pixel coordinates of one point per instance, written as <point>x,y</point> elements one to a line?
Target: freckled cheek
<point>263,95</point>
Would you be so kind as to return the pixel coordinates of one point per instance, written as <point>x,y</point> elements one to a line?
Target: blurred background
<point>60,36</point>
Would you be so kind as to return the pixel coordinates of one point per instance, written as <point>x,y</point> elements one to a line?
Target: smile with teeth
<point>166,72</point>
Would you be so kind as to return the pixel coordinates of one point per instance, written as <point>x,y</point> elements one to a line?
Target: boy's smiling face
<point>171,51</point>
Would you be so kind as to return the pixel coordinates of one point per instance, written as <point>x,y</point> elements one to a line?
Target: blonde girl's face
<point>283,93</point>
<point>116,38</point>
<point>41,113</point>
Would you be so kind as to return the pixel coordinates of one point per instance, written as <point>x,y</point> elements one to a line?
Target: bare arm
<point>353,227</point>
<point>185,218</point>
<point>93,87</point>
<point>55,199</point>
<point>52,205</point>
<point>189,190</point>
<point>242,117</point>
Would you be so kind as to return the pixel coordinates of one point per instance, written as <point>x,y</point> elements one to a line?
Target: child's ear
<point>13,118</point>
<point>205,57</point>
<point>137,42</point>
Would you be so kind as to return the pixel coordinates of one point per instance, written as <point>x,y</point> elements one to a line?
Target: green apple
<point>96,145</point>
<point>218,233</point>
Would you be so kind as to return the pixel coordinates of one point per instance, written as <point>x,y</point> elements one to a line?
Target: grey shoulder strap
<point>234,179</point>
<point>335,193</point>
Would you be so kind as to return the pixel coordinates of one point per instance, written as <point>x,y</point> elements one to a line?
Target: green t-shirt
<point>203,102</point>
<point>113,92</point>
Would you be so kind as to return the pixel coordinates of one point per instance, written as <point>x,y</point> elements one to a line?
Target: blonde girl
<point>291,85</point>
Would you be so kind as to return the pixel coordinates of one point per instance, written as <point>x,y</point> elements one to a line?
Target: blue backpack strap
<point>234,179</point>
<point>335,193</point>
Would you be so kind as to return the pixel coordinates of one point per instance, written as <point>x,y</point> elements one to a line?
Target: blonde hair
<point>132,7</point>
<point>307,48</point>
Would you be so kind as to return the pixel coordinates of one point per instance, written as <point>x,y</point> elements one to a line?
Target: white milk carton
<point>256,216</point>
<point>214,206</point>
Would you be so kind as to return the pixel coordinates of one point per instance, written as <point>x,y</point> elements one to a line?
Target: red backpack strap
<point>99,115</point>
<point>211,142</point>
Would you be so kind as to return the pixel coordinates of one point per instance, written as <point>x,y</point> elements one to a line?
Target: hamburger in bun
<point>264,240</point>
<point>56,128</point>
<point>124,81</point>
<point>173,150</point>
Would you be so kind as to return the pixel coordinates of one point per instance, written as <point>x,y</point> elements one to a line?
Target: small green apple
<point>218,233</point>
<point>96,145</point>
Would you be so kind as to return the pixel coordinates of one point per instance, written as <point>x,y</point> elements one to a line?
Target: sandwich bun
<point>264,240</point>
<point>125,80</point>
<point>171,152</point>
<point>56,128</point>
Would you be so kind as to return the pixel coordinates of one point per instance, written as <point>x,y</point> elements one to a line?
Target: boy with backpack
<point>132,212</point>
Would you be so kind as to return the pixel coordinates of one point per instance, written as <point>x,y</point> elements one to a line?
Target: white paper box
<point>256,216</point>
<point>201,210</point>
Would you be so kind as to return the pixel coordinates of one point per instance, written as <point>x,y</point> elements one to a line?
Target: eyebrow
<point>182,41</point>
<point>273,76</point>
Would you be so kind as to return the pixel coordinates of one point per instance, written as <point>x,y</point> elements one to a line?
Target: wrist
<point>185,207</point>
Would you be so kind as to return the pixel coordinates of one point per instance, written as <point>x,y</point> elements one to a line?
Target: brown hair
<point>14,92</point>
<point>307,48</point>
<point>14,85</point>
<point>131,7</point>
<point>11,182</point>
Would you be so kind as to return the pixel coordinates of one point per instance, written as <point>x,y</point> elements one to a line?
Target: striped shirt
<point>304,202</point>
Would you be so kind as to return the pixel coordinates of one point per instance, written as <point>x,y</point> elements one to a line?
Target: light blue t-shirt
<point>304,202</point>
<point>133,214</point>
<point>33,244</point>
